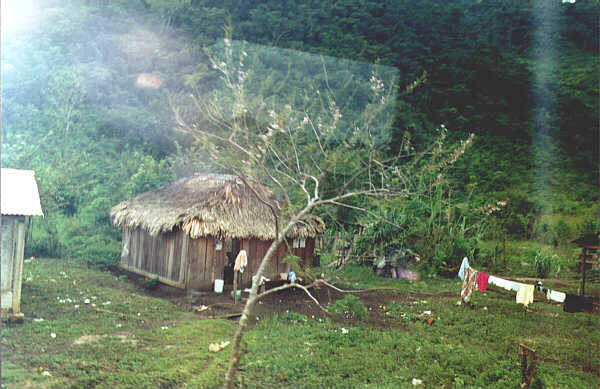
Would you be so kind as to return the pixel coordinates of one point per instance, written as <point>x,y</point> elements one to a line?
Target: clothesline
<point>475,279</point>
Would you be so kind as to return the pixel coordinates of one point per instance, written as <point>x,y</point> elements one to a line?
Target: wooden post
<point>18,267</point>
<point>527,372</point>
<point>582,292</point>
<point>235,277</point>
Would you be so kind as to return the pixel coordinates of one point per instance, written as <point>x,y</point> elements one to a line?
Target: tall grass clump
<point>544,263</point>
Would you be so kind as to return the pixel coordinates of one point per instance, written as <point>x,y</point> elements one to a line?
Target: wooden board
<point>196,264</point>
<point>145,252</point>
<point>209,263</point>
<point>137,250</point>
<point>219,263</point>
<point>310,252</point>
<point>170,249</point>
<point>271,269</point>
<point>146,274</point>
<point>7,257</point>
<point>246,246</point>
<point>18,270</point>
<point>153,259</point>
<point>183,267</point>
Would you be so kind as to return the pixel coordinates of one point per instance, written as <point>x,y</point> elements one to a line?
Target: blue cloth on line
<point>463,266</point>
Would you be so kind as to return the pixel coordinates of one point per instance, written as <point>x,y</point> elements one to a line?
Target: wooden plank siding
<point>209,266</point>
<point>195,263</point>
<point>217,271</point>
<point>309,253</point>
<point>177,259</point>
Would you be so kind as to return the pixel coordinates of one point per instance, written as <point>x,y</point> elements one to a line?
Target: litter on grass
<point>216,347</point>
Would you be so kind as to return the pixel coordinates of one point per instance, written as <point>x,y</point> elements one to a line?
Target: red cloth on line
<point>482,281</point>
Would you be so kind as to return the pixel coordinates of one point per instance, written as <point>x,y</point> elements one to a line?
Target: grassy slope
<point>465,347</point>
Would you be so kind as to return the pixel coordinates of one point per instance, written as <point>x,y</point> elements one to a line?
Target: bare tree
<point>310,153</point>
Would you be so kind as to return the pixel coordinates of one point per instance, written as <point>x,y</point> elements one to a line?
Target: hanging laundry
<point>468,284</point>
<point>292,277</point>
<point>540,287</point>
<point>241,261</point>
<point>463,266</point>
<point>525,294</point>
<point>574,303</point>
<point>502,283</point>
<point>553,295</point>
<point>482,281</point>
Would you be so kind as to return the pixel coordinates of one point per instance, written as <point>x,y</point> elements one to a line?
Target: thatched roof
<point>208,204</point>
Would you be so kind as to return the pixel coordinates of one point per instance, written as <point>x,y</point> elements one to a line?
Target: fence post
<point>527,372</point>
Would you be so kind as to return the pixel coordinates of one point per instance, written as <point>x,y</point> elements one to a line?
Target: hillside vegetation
<point>71,110</point>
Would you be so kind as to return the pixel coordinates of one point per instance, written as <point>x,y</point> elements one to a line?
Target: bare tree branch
<point>299,286</point>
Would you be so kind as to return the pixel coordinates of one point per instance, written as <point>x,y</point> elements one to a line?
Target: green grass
<point>164,347</point>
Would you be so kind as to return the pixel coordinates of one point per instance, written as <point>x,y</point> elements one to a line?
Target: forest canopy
<point>75,109</point>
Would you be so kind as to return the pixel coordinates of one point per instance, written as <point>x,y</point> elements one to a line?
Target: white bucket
<point>219,286</point>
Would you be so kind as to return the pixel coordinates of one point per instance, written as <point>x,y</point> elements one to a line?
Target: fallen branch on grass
<point>374,289</point>
<point>294,285</point>
<point>227,316</point>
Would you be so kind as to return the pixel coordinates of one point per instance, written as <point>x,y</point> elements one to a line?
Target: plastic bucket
<point>218,286</point>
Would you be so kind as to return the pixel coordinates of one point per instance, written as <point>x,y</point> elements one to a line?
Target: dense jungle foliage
<point>522,76</point>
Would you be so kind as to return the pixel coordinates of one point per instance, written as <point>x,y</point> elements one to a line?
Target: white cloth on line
<point>241,261</point>
<point>525,294</point>
<point>463,266</point>
<point>501,282</point>
<point>556,296</point>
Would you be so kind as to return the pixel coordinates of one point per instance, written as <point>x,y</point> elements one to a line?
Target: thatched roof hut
<point>219,205</point>
<point>212,209</point>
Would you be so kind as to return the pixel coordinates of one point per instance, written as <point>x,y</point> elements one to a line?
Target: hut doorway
<point>232,249</point>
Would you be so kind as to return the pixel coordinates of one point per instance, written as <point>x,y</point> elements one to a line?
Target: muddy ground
<point>209,305</point>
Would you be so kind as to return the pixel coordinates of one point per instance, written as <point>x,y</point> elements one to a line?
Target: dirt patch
<point>124,337</point>
<point>296,300</point>
<point>209,305</point>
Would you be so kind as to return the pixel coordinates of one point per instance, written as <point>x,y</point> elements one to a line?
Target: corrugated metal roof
<point>19,193</point>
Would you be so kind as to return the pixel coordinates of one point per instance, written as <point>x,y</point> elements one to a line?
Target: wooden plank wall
<point>309,253</point>
<point>256,250</point>
<point>205,263</point>
<point>13,245</point>
<point>195,263</point>
<point>8,235</point>
<point>150,256</point>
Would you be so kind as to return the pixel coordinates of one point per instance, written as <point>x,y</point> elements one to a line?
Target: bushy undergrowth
<point>350,306</point>
<point>544,263</point>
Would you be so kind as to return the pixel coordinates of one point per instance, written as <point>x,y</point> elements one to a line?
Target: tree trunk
<point>236,353</point>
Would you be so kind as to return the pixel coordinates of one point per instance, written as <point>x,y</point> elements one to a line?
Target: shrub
<point>350,306</point>
<point>544,263</point>
<point>562,230</point>
<point>293,317</point>
<point>588,226</point>
<point>543,232</point>
<point>151,283</point>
